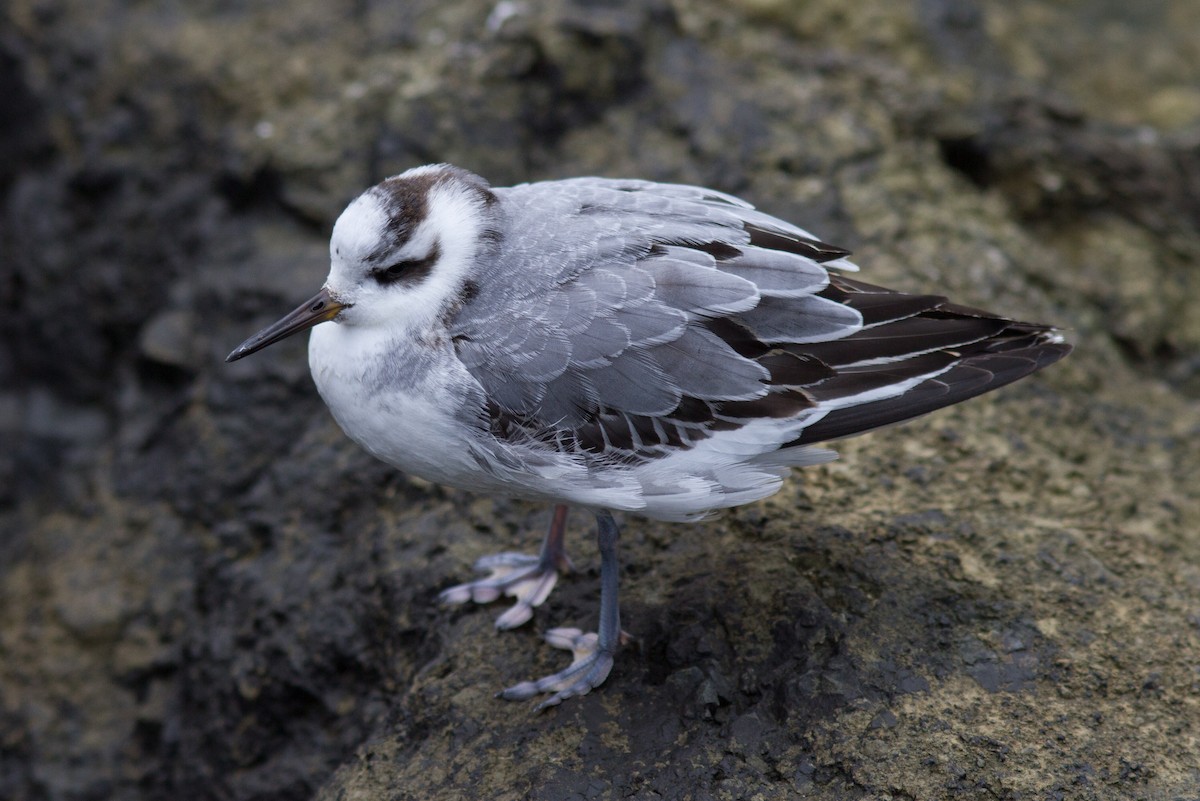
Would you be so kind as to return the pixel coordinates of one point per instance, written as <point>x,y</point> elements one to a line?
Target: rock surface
<point>206,591</point>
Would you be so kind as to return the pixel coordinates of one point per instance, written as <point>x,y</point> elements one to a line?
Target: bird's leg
<point>594,650</point>
<point>527,578</point>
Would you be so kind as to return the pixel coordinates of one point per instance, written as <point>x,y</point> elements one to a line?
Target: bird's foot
<point>529,579</point>
<point>587,671</point>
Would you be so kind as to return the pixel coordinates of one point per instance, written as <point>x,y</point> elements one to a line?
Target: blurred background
<point>206,591</point>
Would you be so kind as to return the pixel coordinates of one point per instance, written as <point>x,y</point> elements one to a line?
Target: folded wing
<point>629,321</point>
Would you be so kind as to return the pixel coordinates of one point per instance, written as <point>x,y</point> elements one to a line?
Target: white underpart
<point>405,425</point>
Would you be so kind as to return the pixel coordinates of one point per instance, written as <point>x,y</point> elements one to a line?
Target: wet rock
<point>169,339</point>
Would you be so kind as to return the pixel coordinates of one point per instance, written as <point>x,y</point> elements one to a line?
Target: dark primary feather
<point>975,375</point>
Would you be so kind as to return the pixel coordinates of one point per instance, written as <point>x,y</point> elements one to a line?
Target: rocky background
<point>207,592</point>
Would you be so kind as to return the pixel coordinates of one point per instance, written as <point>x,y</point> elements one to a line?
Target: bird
<point>617,345</point>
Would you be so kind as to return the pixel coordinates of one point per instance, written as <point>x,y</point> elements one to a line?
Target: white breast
<point>409,424</point>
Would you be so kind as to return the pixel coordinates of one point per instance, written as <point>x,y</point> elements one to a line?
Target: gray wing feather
<point>601,342</point>
<point>777,273</point>
<point>702,290</point>
<point>608,287</point>
<point>570,400</point>
<point>651,323</point>
<point>806,319</point>
<point>639,284</point>
<point>705,367</point>
<point>547,361</point>
<point>635,383</point>
<point>516,397</point>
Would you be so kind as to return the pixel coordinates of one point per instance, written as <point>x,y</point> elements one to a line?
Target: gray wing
<point>618,313</point>
<point>629,319</point>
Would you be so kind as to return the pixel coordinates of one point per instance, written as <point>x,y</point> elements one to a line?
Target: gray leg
<point>593,651</point>
<point>529,579</point>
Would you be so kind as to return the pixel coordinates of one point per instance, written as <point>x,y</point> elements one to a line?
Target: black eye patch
<point>408,271</point>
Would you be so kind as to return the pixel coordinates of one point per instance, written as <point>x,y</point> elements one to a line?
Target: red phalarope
<point>617,345</point>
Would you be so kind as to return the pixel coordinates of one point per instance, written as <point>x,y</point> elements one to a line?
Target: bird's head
<point>401,255</point>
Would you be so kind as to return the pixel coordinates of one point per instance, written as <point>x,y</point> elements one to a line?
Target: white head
<point>406,249</point>
<point>402,255</point>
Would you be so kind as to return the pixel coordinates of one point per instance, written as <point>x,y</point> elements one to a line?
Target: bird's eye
<point>393,273</point>
<point>407,270</point>
<point>397,271</point>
